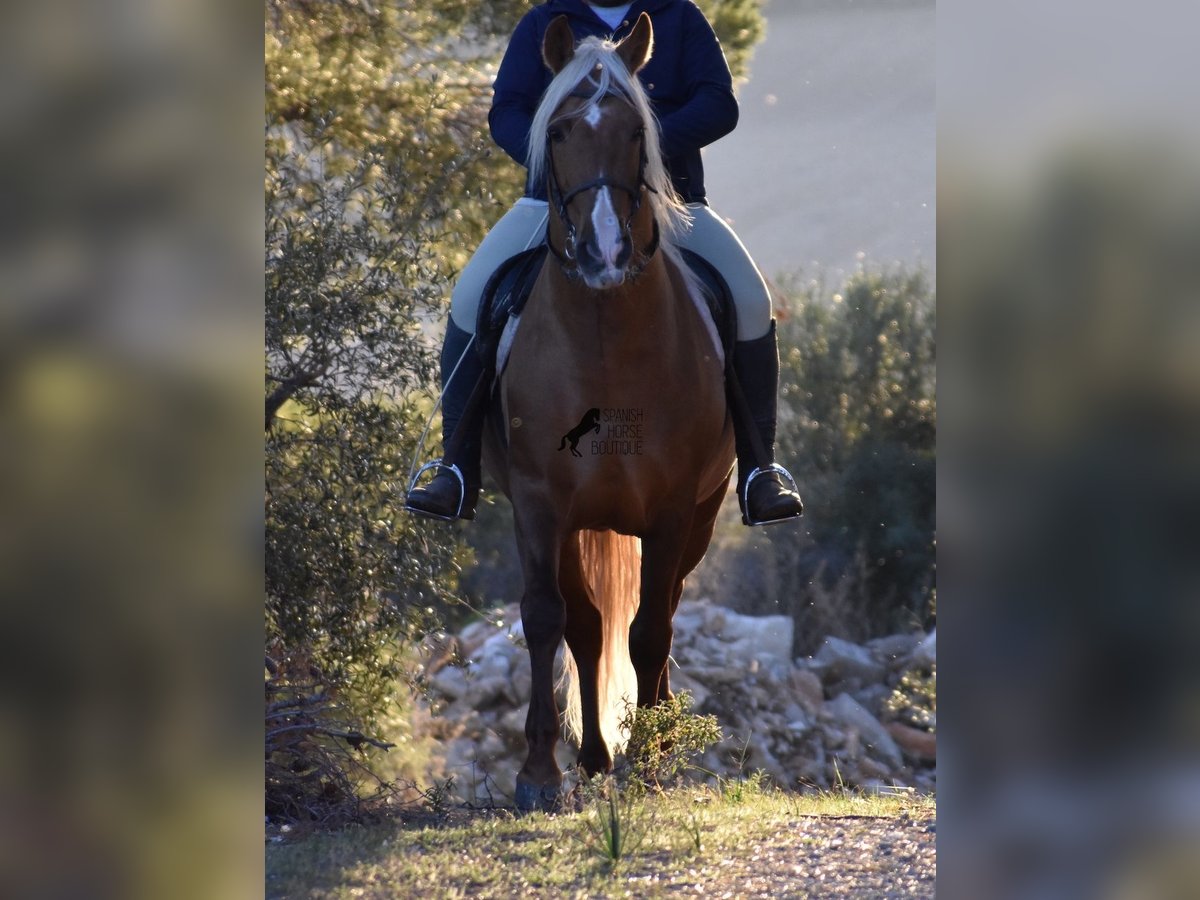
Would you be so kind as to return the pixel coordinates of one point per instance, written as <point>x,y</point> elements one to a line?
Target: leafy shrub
<point>348,574</point>
<point>663,739</point>
<point>857,423</point>
<point>858,387</point>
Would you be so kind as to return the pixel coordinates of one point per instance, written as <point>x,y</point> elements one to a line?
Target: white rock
<point>687,622</point>
<point>483,692</point>
<point>872,697</point>
<point>806,689</point>
<point>522,680</point>
<point>475,634</point>
<point>926,652</point>
<point>893,649</point>
<point>450,681</point>
<point>847,711</point>
<point>492,665</point>
<point>715,675</point>
<point>714,619</point>
<point>765,639</point>
<point>799,726</point>
<point>846,660</point>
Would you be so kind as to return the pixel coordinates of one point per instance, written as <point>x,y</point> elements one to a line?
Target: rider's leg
<point>520,228</point>
<point>756,364</point>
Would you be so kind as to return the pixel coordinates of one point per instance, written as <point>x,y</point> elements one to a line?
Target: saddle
<point>508,289</point>
<point>719,299</point>
<point>504,297</point>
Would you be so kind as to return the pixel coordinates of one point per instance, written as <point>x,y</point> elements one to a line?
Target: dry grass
<point>693,841</point>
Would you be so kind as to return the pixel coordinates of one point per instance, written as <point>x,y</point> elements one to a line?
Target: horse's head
<point>595,141</point>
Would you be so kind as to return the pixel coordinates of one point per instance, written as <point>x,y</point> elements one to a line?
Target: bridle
<point>568,256</point>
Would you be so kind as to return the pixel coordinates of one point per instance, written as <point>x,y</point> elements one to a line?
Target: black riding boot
<point>441,498</point>
<point>771,496</point>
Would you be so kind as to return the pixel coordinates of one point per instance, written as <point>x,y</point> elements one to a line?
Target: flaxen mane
<point>597,66</point>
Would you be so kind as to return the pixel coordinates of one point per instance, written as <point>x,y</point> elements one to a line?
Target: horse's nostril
<point>589,253</point>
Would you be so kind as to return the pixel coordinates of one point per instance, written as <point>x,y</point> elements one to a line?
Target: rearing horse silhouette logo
<point>589,422</point>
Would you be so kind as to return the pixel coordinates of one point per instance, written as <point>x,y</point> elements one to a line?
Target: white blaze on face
<point>605,224</point>
<point>607,228</point>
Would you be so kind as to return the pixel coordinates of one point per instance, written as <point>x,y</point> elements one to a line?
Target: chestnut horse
<point>614,325</point>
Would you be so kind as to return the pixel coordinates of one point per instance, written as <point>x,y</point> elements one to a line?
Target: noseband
<point>568,256</point>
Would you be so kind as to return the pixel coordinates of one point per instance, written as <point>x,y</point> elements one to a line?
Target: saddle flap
<point>504,297</point>
<point>718,296</point>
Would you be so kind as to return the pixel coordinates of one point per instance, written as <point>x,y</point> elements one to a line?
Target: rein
<point>567,257</point>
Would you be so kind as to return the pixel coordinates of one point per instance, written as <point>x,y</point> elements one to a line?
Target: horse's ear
<point>635,50</point>
<point>558,46</point>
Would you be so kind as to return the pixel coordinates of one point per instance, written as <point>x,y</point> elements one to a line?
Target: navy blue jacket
<point>687,79</point>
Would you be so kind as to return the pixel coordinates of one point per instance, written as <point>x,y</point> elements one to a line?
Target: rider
<point>691,91</point>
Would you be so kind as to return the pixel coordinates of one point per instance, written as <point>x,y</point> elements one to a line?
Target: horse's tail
<point>611,564</point>
<point>564,442</point>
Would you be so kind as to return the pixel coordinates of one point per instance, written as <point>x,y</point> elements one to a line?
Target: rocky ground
<point>815,722</point>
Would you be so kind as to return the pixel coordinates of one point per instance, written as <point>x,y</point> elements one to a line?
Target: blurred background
<point>133,325</point>
<point>1069,223</point>
<point>832,164</point>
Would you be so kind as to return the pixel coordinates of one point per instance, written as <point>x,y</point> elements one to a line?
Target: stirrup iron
<point>462,490</point>
<point>745,497</point>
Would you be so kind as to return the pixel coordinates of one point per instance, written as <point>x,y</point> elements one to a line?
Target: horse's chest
<point>607,438</point>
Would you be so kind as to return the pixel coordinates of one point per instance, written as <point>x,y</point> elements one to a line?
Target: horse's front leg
<point>543,616</point>
<point>651,631</point>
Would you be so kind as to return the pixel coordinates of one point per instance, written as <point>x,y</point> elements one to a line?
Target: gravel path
<point>816,857</point>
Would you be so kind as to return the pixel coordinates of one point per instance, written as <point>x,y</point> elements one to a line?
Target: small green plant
<point>837,776</point>
<point>693,827</point>
<point>744,787</point>
<point>618,825</point>
<point>663,740</point>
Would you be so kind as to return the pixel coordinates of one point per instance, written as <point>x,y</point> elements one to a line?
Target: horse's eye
<point>638,134</point>
<point>557,135</point>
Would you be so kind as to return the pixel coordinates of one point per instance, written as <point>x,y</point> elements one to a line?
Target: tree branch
<point>287,389</point>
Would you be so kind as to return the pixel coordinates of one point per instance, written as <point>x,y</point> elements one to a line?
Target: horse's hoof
<point>538,798</point>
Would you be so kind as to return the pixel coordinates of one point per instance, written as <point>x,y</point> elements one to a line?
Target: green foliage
<point>914,699</point>
<point>744,787</point>
<point>618,825</point>
<point>664,738</point>
<point>378,177</point>
<point>740,26</point>
<point>693,824</point>
<point>857,428</point>
<point>409,81</point>
<point>348,575</point>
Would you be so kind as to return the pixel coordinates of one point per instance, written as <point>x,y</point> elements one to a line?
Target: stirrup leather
<point>441,466</point>
<point>745,497</point>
